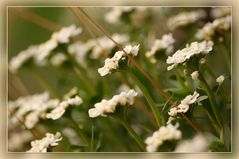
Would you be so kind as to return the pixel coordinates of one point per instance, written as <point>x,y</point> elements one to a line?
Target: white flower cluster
<point>218,12</point>
<point>109,106</point>
<point>113,63</point>
<point>24,56</point>
<point>185,18</point>
<point>197,144</point>
<point>194,48</point>
<point>104,45</point>
<point>209,29</point>
<point>220,79</point>
<point>100,46</point>
<point>168,132</point>
<point>64,35</point>
<point>58,111</point>
<point>35,107</point>
<point>39,53</point>
<point>32,108</point>
<point>166,42</point>
<point>44,143</point>
<point>114,15</point>
<point>183,106</point>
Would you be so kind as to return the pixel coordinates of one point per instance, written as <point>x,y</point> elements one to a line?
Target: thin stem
<point>218,89</point>
<point>150,101</point>
<point>131,131</point>
<point>190,122</point>
<point>18,83</point>
<point>98,27</point>
<point>217,129</point>
<point>153,82</point>
<point>36,19</point>
<point>78,130</point>
<point>87,28</point>
<point>139,101</point>
<point>211,99</point>
<point>92,139</point>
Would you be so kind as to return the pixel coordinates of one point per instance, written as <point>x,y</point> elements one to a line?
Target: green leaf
<point>217,146</point>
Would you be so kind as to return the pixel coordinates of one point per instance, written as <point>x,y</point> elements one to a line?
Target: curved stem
<point>102,30</point>
<point>131,131</point>
<point>150,101</point>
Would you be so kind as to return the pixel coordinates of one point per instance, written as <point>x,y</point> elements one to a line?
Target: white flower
<point>61,108</point>
<point>195,75</point>
<point>33,107</point>
<point>44,51</point>
<point>184,105</point>
<point>58,59</point>
<point>44,143</point>
<point>173,111</point>
<point>209,29</point>
<point>194,48</point>
<point>220,79</point>
<point>129,49</point>
<point>185,18</point>
<point>103,45</point>
<point>64,35</point>
<point>166,42</point>
<point>197,144</point>
<point>17,61</point>
<point>112,64</point>
<point>170,119</point>
<point>108,106</point>
<point>190,99</point>
<point>41,52</point>
<point>218,12</point>
<point>114,15</point>
<point>182,108</point>
<point>164,133</point>
<point>31,119</point>
<point>79,50</point>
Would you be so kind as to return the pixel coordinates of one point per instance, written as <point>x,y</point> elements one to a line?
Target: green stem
<point>217,129</point>
<point>131,131</point>
<point>211,99</point>
<point>92,139</point>
<point>79,131</point>
<point>150,101</point>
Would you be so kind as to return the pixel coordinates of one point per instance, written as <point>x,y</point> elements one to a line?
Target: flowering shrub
<point>131,79</point>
